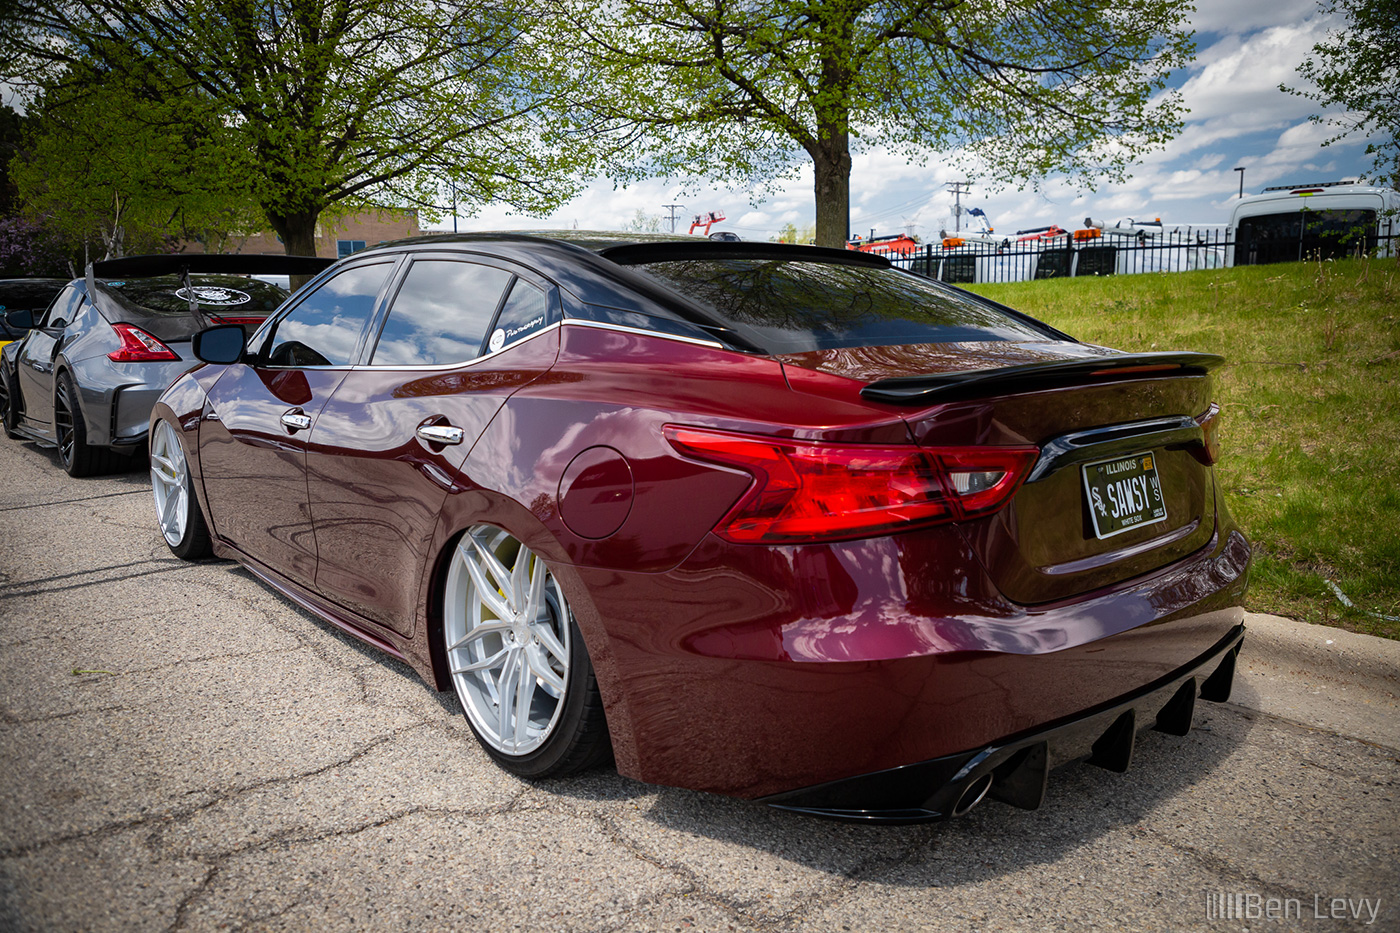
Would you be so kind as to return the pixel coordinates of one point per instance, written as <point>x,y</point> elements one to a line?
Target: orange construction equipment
<point>900,245</point>
<point>705,220</point>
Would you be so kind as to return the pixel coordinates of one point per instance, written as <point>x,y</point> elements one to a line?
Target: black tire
<point>9,406</point>
<point>178,514</point>
<point>565,731</point>
<point>77,457</point>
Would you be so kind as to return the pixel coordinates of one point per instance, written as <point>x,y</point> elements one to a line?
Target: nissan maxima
<point>778,522</point>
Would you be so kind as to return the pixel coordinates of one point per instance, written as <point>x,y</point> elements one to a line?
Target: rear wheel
<point>517,660</point>
<point>9,406</point>
<point>70,431</point>
<point>177,508</point>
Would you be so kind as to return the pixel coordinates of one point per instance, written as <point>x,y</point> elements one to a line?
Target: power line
<point>959,188</point>
<point>673,208</point>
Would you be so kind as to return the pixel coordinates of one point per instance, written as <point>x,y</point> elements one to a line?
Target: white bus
<point>1290,223</point>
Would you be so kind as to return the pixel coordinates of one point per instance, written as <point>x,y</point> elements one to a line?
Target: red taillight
<point>1209,451</point>
<point>822,492</point>
<point>251,322</point>
<point>139,347</point>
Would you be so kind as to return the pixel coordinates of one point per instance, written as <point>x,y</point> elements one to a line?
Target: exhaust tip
<point>972,795</point>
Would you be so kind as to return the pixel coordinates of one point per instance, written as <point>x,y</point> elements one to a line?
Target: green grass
<point>1311,406</point>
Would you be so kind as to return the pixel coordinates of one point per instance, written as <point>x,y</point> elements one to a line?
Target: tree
<point>31,247</point>
<point>104,161</point>
<point>642,222</point>
<point>12,124</point>
<point>1358,70</point>
<point>791,233</point>
<point>750,90</point>
<point>333,104</point>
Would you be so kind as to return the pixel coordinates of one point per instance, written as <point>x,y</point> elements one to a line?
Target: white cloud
<point>1238,78</point>
<point>1236,16</point>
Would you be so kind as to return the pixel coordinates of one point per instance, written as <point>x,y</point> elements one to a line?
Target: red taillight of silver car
<point>139,347</point>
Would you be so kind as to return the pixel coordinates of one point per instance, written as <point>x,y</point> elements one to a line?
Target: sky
<point>1238,117</point>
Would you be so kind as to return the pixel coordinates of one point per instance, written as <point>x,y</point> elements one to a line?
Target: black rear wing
<point>1030,377</point>
<point>137,267</point>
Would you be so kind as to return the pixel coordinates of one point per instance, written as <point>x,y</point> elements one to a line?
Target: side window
<point>440,314</point>
<point>324,329</point>
<point>64,308</point>
<point>525,311</point>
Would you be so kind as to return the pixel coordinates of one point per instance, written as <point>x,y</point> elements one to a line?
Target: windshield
<point>794,307</point>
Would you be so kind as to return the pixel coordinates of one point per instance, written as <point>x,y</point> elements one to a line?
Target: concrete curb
<point>1321,677</point>
<point>1323,651</point>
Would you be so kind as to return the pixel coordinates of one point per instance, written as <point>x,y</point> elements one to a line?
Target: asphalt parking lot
<point>185,750</point>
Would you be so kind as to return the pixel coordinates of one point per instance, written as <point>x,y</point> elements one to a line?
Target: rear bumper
<point>1014,770</point>
<point>761,672</point>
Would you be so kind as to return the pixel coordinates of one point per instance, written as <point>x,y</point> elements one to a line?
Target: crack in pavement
<point>17,591</point>
<point>1248,712</point>
<point>1223,867</point>
<point>217,797</point>
<point>43,505</point>
<point>298,837</point>
<point>11,720</point>
<point>693,883</point>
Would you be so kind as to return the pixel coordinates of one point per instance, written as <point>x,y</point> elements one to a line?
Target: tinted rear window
<point>794,307</point>
<point>215,294</point>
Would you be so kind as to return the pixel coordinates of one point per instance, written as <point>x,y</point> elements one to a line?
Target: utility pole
<point>959,188</point>
<point>1241,171</point>
<point>673,208</point>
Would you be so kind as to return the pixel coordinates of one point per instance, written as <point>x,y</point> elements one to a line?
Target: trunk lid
<point>1084,406</point>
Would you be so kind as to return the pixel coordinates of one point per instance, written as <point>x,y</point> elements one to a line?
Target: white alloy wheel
<point>508,635</point>
<point>170,481</point>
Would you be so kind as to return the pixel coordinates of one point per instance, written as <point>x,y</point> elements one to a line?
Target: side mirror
<point>20,320</point>
<point>223,344</point>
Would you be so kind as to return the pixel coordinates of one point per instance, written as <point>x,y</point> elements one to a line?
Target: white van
<point>1290,223</point>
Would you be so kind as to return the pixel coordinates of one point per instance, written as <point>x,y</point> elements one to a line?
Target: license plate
<point>1123,494</point>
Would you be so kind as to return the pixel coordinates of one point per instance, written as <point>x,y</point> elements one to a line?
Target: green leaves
<point>329,104</point>
<point>1358,70</point>
<point>748,90</point>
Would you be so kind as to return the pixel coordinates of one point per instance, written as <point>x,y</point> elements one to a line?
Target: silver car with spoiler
<point>88,369</point>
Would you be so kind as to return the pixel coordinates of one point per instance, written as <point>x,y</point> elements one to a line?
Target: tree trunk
<point>298,233</point>
<point>297,230</point>
<point>832,165</point>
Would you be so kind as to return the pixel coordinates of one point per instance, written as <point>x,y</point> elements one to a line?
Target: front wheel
<point>517,660</point>
<point>177,508</point>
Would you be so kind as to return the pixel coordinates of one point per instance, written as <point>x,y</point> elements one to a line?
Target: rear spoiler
<point>136,267</point>
<point>1030,377</point>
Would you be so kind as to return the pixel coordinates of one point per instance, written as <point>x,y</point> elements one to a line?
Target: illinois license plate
<point>1123,494</point>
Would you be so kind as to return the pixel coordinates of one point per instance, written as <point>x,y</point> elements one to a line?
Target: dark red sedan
<point>779,522</point>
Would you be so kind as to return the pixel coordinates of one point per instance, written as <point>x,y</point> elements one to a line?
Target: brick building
<point>334,239</point>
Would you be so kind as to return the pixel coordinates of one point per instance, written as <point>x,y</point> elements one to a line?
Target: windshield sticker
<point>498,339</point>
<point>213,295</point>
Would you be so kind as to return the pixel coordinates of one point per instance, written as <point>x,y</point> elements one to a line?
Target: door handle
<point>441,434</point>
<point>295,420</point>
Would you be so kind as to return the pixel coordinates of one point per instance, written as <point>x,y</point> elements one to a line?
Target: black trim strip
<point>631,254</point>
<point>208,263</point>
